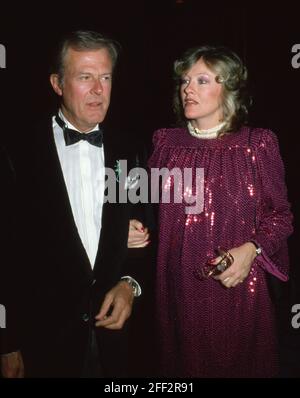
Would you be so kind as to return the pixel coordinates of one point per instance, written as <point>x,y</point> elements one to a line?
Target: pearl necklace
<point>213,132</point>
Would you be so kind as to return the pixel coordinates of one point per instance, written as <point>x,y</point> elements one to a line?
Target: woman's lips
<point>190,102</point>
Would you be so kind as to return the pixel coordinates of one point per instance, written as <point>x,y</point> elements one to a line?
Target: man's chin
<point>96,119</point>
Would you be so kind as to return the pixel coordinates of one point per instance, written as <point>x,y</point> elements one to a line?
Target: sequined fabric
<point>205,329</point>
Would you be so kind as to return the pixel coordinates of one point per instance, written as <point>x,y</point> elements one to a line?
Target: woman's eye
<point>202,81</point>
<point>184,81</point>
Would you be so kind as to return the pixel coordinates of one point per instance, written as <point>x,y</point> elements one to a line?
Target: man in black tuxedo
<point>77,275</point>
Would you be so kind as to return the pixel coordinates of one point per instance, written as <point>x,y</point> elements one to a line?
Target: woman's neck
<point>212,132</point>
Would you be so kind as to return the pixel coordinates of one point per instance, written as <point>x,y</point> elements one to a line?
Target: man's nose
<point>97,86</point>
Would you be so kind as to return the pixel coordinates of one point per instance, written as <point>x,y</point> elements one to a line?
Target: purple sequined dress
<point>205,329</point>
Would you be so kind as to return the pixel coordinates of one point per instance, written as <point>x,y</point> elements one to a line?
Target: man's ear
<point>54,80</point>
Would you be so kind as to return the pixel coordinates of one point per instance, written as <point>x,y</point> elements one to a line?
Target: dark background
<point>152,35</point>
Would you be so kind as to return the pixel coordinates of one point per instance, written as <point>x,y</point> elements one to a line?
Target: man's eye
<point>85,77</point>
<point>106,78</point>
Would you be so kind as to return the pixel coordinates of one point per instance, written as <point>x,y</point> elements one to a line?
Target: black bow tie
<point>73,136</point>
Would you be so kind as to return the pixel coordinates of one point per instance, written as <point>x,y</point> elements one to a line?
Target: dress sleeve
<point>274,215</point>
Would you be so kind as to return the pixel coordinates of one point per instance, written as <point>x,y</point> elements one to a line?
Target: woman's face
<point>201,96</point>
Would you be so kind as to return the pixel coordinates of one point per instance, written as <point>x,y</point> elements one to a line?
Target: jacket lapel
<point>109,159</point>
<point>55,195</point>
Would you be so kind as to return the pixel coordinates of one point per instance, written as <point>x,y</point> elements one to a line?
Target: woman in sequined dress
<point>221,326</point>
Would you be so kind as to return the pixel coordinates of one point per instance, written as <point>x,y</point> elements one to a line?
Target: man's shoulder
<point>121,142</point>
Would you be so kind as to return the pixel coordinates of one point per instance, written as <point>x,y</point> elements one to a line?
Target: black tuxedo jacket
<point>61,291</point>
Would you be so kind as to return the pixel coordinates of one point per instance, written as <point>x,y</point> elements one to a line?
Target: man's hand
<point>138,236</point>
<point>119,299</point>
<point>12,365</point>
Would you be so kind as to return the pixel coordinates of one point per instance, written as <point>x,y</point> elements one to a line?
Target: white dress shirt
<point>84,173</point>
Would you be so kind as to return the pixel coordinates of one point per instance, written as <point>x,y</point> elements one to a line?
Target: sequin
<point>220,332</point>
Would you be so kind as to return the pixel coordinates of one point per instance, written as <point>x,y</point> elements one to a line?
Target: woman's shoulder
<point>261,137</point>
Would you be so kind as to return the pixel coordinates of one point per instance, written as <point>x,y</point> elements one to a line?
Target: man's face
<point>86,87</point>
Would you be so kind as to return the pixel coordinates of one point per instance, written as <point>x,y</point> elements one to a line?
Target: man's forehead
<point>74,55</point>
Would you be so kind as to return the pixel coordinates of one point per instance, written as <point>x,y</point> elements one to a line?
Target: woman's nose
<point>188,88</point>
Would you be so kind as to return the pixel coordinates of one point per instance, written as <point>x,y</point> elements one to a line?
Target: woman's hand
<point>239,270</point>
<point>138,236</point>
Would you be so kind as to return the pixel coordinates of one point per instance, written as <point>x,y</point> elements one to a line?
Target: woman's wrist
<point>256,250</point>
